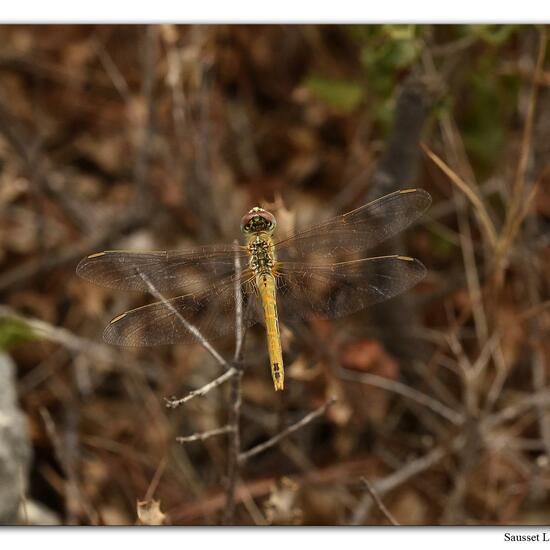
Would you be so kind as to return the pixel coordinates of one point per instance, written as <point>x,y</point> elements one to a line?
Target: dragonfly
<point>318,272</point>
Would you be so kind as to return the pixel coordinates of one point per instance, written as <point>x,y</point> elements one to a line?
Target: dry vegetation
<point>161,138</point>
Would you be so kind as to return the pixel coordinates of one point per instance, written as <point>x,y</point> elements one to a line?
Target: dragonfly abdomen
<point>262,261</point>
<point>267,289</point>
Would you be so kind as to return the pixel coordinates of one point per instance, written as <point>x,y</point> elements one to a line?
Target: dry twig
<point>470,193</point>
<point>234,443</point>
<point>202,436</point>
<point>405,391</point>
<point>244,456</point>
<point>378,501</point>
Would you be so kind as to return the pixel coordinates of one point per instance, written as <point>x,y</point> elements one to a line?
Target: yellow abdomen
<point>267,288</point>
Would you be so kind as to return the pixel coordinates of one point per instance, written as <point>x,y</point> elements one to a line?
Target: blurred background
<point>162,137</point>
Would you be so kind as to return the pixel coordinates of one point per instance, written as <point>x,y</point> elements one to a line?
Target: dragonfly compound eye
<point>258,220</point>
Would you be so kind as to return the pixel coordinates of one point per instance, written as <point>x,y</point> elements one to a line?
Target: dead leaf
<point>149,512</point>
<point>281,508</point>
<point>369,355</point>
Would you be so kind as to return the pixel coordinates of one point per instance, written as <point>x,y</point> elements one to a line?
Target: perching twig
<point>378,501</point>
<point>201,436</point>
<point>239,332</point>
<point>243,457</point>
<point>234,443</point>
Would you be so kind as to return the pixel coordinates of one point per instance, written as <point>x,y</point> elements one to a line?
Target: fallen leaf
<point>149,512</point>
<point>369,355</point>
<point>281,508</point>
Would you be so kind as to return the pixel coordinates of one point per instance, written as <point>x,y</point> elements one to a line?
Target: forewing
<point>359,229</point>
<point>307,291</point>
<point>189,270</point>
<point>176,321</point>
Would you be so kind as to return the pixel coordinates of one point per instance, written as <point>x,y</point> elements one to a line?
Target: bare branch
<point>516,212</point>
<point>378,501</point>
<point>202,436</point>
<point>243,457</point>
<point>190,327</point>
<point>234,445</point>
<point>479,207</point>
<point>405,391</point>
<point>201,392</point>
<point>409,470</point>
<point>75,344</point>
<point>239,333</point>
<point>538,399</point>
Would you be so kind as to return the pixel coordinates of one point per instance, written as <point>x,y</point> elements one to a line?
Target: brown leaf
<point>149,512</point>
<point>280,508</point>
<point>369,355</point>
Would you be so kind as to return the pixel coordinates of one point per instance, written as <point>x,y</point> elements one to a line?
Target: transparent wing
<point>359,229</point>
<point>307,291</point>
<point>189,270</point>
<point>211,312</point>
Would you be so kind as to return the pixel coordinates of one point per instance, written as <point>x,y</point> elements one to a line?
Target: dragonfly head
<point>258,220</point>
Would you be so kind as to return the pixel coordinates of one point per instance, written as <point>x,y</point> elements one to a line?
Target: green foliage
<point>385,52</point>
<point>485,113</point>
<point>440,245</point>
<point>340,94</point>
<point>394,48</point>
<point>482,107</point>
<point>497,35</point>
<point>13,332</point>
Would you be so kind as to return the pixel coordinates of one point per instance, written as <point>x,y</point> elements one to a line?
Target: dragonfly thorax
<point>261,254</point>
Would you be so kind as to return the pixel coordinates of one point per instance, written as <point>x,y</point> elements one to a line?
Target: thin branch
<point>472,196</point>
<point>517,198</point>
<point>147,131</point>
<point>239,332</point>
<point>539,380</point>
<point>156,479</point>
<point>409,470</point>
<point>511,412</point>
<point>202,436</point>
<point>35,267</point>
<point>234,443</point>
<point>406,391</point>
<point>230,371</point>
<point>117,78</point>
<point>243,457</point>
<point>189,326</point>
<point>75,344</point>
<point>533,311</point>
<point>201,392</point>
<point>378,501</point>
<point>74,497</point>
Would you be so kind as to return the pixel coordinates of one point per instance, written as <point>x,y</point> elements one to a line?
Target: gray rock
<point>35,513</point>
<point>15,450</point>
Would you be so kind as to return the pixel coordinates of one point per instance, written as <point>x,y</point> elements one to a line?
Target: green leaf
<point>341,94</point>
<point>494,34</point>
<point>13,332</point>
